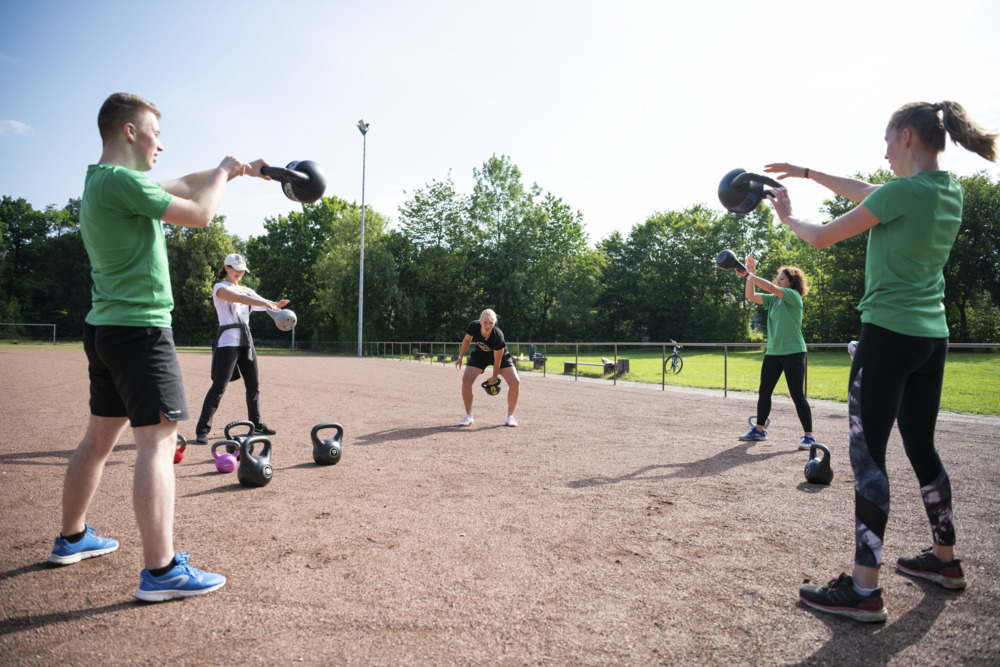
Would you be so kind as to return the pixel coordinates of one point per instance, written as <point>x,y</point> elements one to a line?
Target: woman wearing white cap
<point>233,352</point>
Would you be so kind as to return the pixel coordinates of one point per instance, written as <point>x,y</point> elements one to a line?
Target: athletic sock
<point>160,571</point>
<point>75,537</point>
<point>863,591</point>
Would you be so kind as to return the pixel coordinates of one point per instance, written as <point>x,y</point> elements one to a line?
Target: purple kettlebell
<point>224,461</point>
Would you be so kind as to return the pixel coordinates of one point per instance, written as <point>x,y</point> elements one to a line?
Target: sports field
<point>619,524</point>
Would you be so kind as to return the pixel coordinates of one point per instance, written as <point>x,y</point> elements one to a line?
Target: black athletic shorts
<point>479,359</point>
<point>134,373</point>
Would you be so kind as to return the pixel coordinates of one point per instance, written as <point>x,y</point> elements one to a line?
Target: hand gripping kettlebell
<point>302,181</point>
<point>740,191</point>
<point>327,452</point>
<point>238,439</point>
<point>492,388</point>
<point>225,462</point>
<point>182,444</point>
<point>255,470</point>
<point>818,470</point>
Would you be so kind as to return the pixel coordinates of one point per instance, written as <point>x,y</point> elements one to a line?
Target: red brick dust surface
<point>617,525</point>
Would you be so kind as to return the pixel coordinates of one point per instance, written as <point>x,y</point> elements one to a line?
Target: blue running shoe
<point>182,581</point>
<point>91,546</point>
<point>753,435</point>
<point>807,442</point>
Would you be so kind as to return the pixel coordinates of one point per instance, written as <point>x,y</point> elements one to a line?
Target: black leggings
<point>794,366</point>
<point>226,359</point>
<point>896,379</point>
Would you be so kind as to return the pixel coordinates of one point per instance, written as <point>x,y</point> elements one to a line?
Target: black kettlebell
<point>302,180</point>
<point>327,452</point>
<point>818,470</point>
<point>727,260</point>
<point>238,439</point>
<point>491,388</point>
<point>740,191</point>
<point>255,470</point>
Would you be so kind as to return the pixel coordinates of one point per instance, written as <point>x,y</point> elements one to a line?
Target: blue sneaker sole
<point>164,595</point>
<point>77,557</point>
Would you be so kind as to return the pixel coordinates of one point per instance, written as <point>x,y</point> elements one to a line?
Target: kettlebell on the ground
<point>255,470</point>
<point>238,439</point>
<point>327,451</point>
<point>818,470</point>
<point>182,444</point>
<point>225,462</point>
<point>741,192</point>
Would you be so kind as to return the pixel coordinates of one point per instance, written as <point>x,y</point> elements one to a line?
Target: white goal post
<point>26,324</point>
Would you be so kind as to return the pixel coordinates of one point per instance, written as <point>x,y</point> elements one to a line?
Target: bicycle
<point>674,363</point>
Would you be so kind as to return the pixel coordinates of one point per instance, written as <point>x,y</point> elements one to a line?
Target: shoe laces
<point>182,562</point>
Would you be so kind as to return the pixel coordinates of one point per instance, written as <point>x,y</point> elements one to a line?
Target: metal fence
<point>438,352</point>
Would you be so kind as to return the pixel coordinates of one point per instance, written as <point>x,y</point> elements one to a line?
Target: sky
<point>621,108</point>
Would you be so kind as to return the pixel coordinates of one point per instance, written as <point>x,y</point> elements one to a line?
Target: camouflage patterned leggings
<point>896,377</point>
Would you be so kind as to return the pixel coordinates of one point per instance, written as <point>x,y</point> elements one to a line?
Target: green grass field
<point>970,385</point>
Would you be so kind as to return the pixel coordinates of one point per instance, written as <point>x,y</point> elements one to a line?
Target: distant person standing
<point>898,367</point>
<point>233,352</point>
<point>786,349</point>
<point>490,349</point>
<point>134,374</point>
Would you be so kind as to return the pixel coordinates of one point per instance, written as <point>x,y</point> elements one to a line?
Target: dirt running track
<point>617,525</point>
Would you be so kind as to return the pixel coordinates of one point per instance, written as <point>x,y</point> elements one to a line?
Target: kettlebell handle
<point>239,422</point>
<point>318,427</point>
<point>746,178</point>
<point>822,448</point>
<point>247,447</point>
<point>284,174</point>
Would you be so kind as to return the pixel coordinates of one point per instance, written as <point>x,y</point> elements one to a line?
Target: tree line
<point>517,249</point>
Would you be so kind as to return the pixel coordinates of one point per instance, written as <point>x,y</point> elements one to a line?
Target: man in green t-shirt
<point>135,378</point>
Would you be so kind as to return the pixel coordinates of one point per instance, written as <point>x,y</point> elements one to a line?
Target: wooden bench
<point>621,367</point>
<point>538,363</point>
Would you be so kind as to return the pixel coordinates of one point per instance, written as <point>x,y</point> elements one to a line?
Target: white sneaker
<point>466,420</point>
<point>511,421</point>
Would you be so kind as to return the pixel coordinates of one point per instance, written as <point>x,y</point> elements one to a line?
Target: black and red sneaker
<point>839,597</point>
<point>928,566</point>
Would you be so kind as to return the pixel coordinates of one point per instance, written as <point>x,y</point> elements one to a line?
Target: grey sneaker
<point>839,597</point>
<point>928,566</point>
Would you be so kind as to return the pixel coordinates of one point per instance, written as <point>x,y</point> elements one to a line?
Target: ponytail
<point>966,133</point>
<point>221,274</point>
<point>930,122</point>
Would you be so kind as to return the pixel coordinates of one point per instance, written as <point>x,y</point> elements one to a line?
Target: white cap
<point>237,262</point>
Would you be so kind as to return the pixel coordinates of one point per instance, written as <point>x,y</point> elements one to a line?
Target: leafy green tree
<point>973,269</point>
<point>44,270</point>
<point>434,254</point>
<point>284,259</point>
<point>195,257</point>
<point>337,271</point>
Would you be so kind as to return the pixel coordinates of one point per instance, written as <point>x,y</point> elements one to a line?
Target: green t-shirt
<point>120,226</point>
<point>784,323</point>
<point>919,218</point>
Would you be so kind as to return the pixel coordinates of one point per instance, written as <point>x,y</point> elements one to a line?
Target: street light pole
<point>363,126</point>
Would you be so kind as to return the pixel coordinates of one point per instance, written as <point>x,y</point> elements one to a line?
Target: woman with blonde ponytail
<point>898,366</point>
